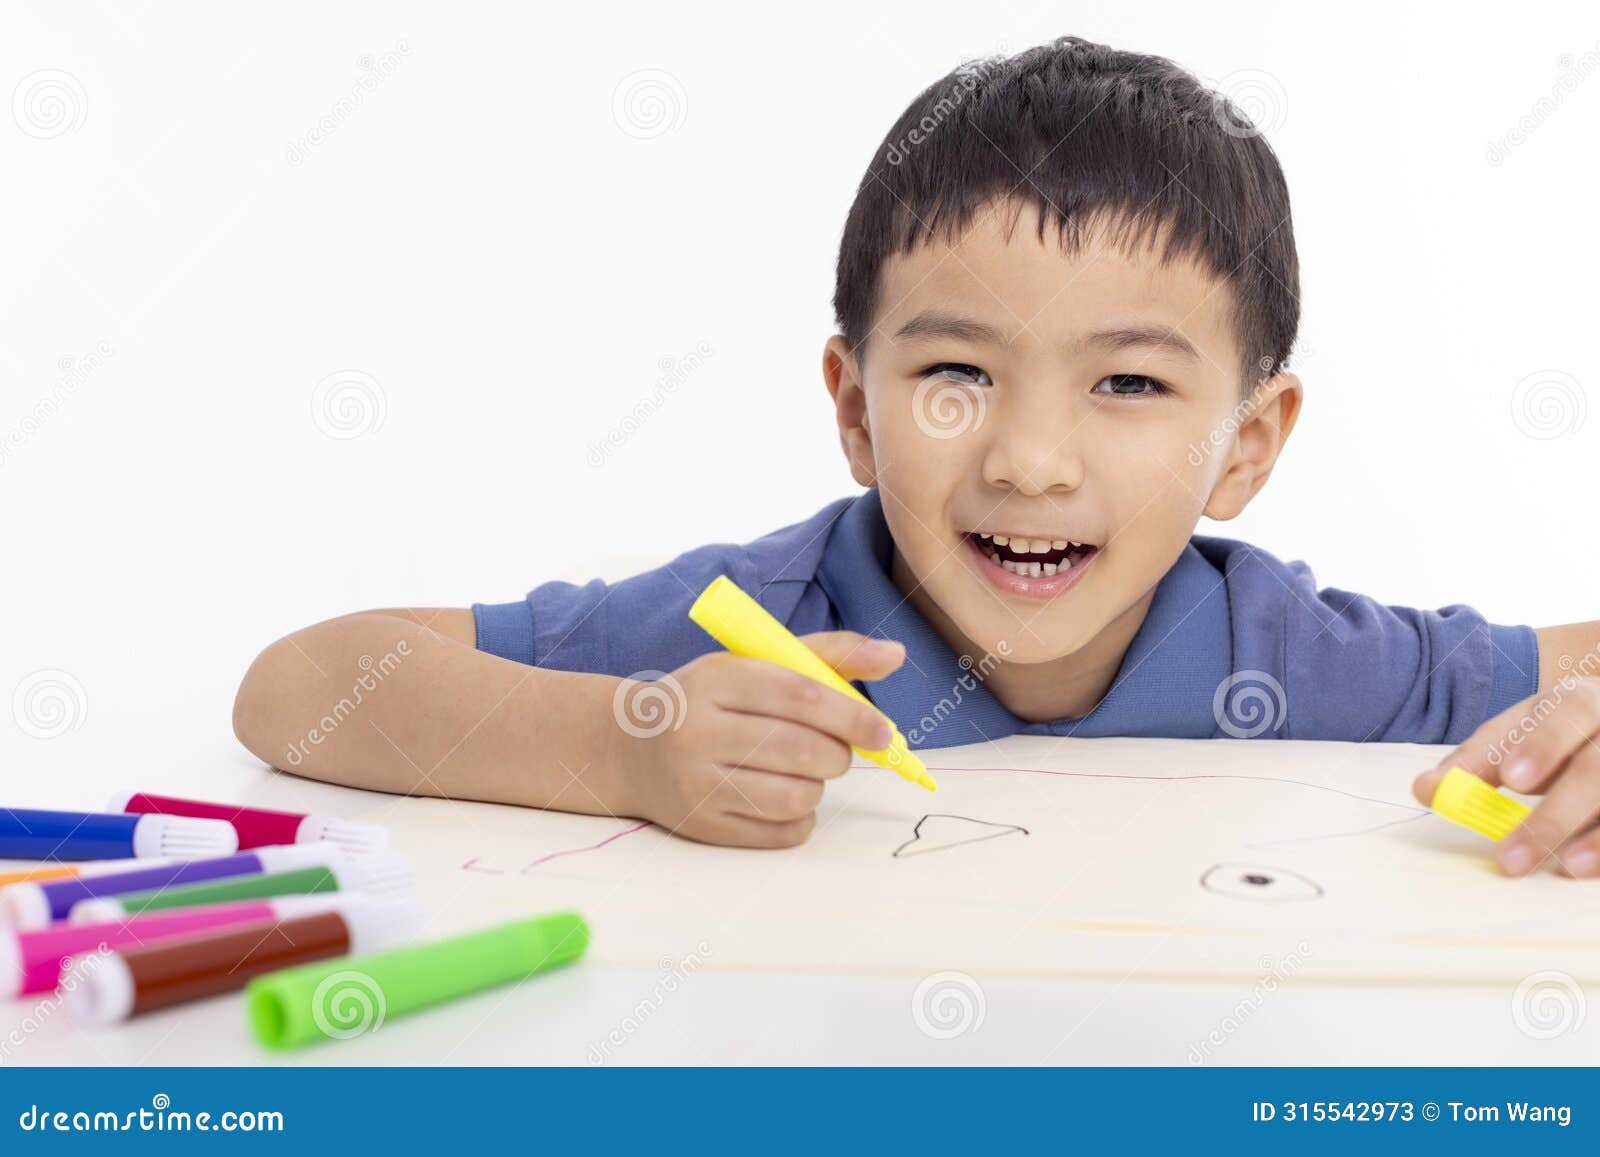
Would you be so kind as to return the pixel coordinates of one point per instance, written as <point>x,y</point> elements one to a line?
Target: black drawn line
<point>916,834</point>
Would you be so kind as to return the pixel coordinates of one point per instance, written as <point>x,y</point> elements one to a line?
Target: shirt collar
<point>1179,656</point>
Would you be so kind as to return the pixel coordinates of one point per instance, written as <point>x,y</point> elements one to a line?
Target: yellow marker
<point>743,625</point>
<point>1465,799</point>
<point>44,873</point>
<point>36,875</point>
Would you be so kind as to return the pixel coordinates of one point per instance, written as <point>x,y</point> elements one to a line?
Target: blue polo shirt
<point>1235,642</point>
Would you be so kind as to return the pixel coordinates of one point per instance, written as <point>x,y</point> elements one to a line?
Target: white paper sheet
<point>1120,859</point>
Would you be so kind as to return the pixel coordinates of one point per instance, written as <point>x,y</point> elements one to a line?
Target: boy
<point>1067,293</point>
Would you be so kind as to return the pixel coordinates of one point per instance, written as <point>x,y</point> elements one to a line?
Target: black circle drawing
<point>1259,882</point>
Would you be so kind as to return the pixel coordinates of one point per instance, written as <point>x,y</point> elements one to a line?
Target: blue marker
<point>41,835</point>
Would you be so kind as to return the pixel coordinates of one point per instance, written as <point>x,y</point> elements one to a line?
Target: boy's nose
<point>1034,453</point>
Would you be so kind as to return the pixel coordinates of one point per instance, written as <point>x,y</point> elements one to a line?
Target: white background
<point>510,258</point>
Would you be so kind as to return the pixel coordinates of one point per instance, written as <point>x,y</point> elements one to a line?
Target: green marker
<point>345,998</point>
<point>376,873</point>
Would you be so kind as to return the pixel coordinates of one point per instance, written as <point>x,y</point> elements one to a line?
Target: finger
<point>1527,744</point>
<point>1581,856</point>
<point>766,795</point>
<point>773,692</point>
<point>744,832</point>
<point>1483,753</point>
<point>1550,733</point>
<point>856,656</point>
<point>763,743</point>
<point>1569,807</point>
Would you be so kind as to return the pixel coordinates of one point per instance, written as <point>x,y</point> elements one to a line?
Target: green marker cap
<point>352,996</point>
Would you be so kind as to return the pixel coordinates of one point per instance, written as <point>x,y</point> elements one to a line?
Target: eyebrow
<point>937,324</point>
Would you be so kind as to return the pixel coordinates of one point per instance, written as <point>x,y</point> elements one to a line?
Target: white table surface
<point>723,1016</point>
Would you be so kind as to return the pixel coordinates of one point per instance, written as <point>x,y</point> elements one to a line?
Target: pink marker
<point>31,961</point>
<point>258,827</point>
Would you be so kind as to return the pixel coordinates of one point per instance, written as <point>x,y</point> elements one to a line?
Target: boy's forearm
<point>382,702</point>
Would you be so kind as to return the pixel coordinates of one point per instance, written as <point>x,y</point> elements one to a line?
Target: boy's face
<point>1013,391</point>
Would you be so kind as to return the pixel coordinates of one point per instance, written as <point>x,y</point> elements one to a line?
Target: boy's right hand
<point>736,750</point>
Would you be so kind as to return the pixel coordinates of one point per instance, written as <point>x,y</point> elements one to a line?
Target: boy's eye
<point>1129,386</point>
<point>958,371</point>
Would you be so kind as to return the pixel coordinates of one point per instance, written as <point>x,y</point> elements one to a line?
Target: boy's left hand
<point>1558,757</point>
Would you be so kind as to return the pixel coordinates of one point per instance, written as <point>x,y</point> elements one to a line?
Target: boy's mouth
<point>1035,568</point>
<point>1030,557</point>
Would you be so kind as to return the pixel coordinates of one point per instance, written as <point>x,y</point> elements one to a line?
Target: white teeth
<point>1066,564</point>
<point>1007,564</point>
<point>1035,569</point>
<point>1049,568</point>
<point>1058,544</point>
<point>1001,540</point>
<point>1041,546</point>
<point>994,557</point>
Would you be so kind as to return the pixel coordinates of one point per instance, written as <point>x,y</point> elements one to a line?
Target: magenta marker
<point>258,827</point>
<point>32,961</point>
<point>36,904</point>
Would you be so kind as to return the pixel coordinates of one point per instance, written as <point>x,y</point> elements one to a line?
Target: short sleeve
<point>623,628</point>
<point>1352,668</point>
<point>641,624</point>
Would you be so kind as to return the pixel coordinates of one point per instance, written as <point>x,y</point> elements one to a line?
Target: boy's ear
<point>1265,420</point>
<point>841,370</point>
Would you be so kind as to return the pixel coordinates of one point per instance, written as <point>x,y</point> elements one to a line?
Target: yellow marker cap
<point>743,625</point>
<point>1465,799</point>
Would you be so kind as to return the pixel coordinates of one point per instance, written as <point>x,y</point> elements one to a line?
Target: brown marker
<point>117,985</point>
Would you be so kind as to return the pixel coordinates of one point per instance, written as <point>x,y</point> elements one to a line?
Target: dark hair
<point>1084,131</point>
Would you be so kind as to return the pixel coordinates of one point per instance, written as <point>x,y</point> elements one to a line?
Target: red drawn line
<point>590,848</point>
<point>1170,778</point>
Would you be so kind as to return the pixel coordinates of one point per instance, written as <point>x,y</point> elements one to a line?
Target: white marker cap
<point>24,906</point>
<point>10,964</point>
<point>381,873</point>
<point>351,835</point>
<point>97,910</point>
<point>378,924</point>
<point>291,857</point>
<point>183,837</point>
<point>97,989</point>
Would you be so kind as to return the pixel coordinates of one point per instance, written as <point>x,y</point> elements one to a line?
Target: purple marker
<point>37,904</point>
